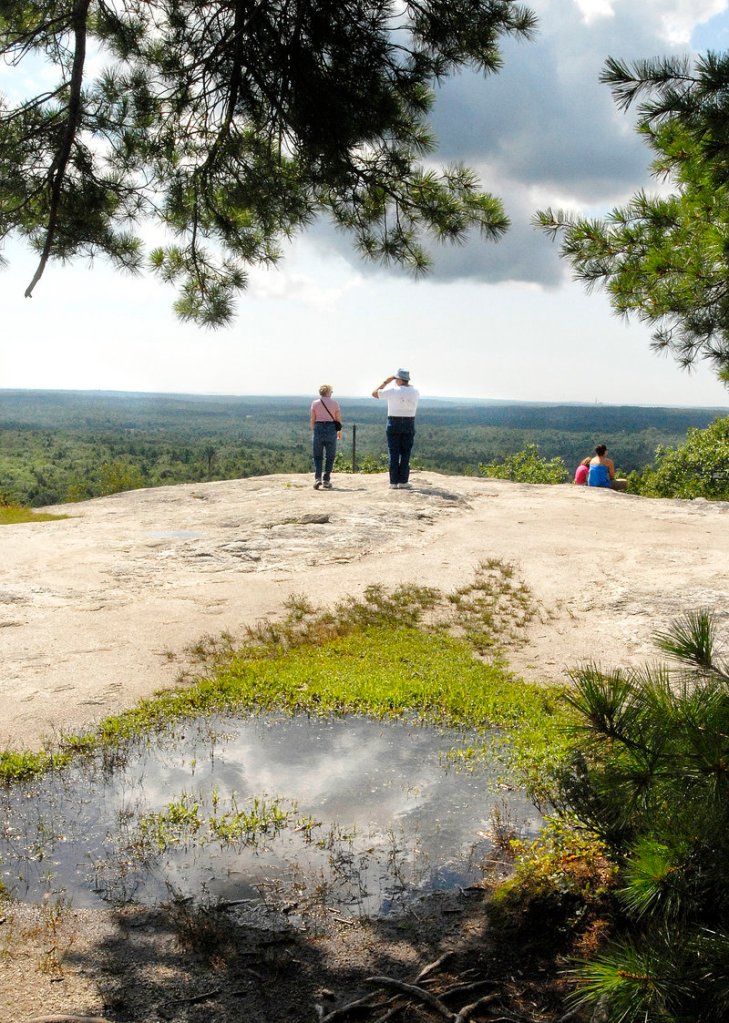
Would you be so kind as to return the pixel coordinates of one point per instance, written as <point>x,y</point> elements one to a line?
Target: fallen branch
<point>511,1019</point>
<point>393,1011</point>
<point>414,992</point>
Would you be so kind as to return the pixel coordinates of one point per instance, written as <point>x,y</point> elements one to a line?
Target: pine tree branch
<point>57,172</point>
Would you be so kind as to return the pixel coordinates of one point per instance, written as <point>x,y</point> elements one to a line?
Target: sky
<point>492,320</point>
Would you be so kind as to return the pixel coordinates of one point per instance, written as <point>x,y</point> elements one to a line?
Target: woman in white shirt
<point>402,404</point>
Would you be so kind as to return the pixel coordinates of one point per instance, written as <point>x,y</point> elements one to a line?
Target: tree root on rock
<point>408,993</point>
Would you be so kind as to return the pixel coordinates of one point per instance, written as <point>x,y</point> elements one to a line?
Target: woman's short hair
<point>601,449</point>
<point>325,389</point>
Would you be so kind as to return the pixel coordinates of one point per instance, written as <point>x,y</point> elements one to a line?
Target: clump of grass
<point>305,624</point>
<point>202,929</point>
<point>261,818</point>
<point>172,826</point>
<point>185,820</point>
<point>491,613</point>
<point>41,939</point>
<point>405,652</point>
<point>13,514</point>
<point>494,609</point>
<point>18,764</point>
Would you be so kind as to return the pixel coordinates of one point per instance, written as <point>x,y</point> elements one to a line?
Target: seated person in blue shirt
<point>602,471</point>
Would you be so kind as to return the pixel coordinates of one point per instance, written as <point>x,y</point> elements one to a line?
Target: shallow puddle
<point>361,815</point>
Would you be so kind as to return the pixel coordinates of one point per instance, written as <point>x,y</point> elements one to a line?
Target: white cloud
<point>679,18</point>
<point>676,19</point>
<point>592,10</point>
<point>324,292</point>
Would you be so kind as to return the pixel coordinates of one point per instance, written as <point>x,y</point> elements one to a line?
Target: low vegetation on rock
<point>623,894</point>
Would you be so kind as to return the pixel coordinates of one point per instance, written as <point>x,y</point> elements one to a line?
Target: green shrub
<point>119,475</point>
<point>527,467</point>
<point>560,879</point>
<point>649,774</point>
<point>699,468</point>
<point>372,463</point>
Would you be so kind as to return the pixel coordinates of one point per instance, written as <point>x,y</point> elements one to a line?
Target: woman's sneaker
<point>317,484</point>
<point>327,485</point>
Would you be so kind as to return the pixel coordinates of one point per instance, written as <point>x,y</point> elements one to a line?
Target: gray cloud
<point>523,254</point>
<point>544,123</point>
<point>545,118</point>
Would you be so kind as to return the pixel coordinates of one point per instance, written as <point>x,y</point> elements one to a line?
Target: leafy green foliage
<point>16,765</point>
<point>664,258</point>
<point>372,464</point>
<point>698,468</point>
<point>559,879</point>
<point>527,466</point>
<point>119,475</point>
<point>233,126</point>
<point>649,774</point>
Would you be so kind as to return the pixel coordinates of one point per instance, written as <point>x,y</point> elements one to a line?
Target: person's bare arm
<point>382,386</point>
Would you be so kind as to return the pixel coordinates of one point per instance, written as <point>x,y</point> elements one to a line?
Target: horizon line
<point>358,397</point>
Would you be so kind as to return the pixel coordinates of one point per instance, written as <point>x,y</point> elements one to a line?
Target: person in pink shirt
<point>582,472</point>
<point>326,427</point>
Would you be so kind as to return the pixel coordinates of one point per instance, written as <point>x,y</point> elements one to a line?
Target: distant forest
<point>58,446</point>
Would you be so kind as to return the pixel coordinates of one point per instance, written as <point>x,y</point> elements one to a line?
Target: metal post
<point>354,447</point>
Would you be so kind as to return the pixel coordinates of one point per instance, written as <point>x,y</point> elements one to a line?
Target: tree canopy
<point>665,257</point>
<point>697,468</point>
<point>232,124</point>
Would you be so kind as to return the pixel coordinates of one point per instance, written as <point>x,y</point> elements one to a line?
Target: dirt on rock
<point>143,966</point>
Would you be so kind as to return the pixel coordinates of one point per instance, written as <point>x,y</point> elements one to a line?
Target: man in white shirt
<point>402,404</point>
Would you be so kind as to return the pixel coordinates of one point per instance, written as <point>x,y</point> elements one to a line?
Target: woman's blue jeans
<point>324,449</point>
<point>400,439</point>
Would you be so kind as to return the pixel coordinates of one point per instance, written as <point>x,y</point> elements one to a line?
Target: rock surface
<point>97,609</point>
